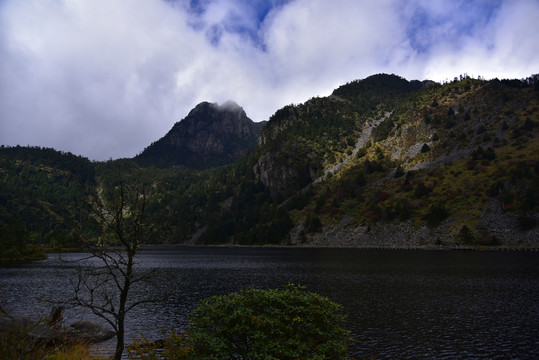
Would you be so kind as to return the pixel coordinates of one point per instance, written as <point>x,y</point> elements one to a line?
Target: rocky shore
<point>51,329</point>
<point>501,228</point>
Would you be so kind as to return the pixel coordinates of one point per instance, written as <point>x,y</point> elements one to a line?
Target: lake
<point>402,304</point>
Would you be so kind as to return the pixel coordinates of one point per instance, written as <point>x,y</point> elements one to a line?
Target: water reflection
<point>402,304</point>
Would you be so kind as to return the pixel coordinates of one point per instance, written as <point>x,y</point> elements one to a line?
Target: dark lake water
<point>402,304</point>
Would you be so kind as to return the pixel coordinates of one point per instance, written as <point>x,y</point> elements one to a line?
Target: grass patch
<point>17,344</point>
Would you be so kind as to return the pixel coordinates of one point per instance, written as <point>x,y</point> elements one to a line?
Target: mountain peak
<point>230,105</point>
<point>210,135</point>
<point>227,111</point>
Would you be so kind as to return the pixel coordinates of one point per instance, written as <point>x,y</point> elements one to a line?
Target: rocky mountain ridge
<point>390,162</point>
<point>210,135</point>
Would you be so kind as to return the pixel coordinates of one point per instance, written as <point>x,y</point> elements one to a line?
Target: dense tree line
<point>43,191</point>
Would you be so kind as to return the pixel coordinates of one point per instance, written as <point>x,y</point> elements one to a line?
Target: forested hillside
<point>381,162</point>
<point>42,198</point>
<point>387,162</point>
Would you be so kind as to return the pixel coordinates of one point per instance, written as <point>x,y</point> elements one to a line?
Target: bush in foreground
<point>259,324</point>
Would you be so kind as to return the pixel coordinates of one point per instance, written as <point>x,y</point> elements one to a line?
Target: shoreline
<point>530,248</point>
<point>500,248</point>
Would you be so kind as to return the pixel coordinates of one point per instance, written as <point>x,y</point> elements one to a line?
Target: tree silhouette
<point>109,275</point>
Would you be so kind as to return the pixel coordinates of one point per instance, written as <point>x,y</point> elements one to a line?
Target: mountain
<point>381,162</point>
<point>300,142</point>
<point>389,162</point>
<point>211,135</point>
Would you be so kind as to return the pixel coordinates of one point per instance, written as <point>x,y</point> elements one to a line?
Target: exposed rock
<point>43,333</point>
<point>503,227</point>
<point>506,227</point>
<point>88,331</point>
<point>281,180</point>
<point>364,138</point>
<point>210,135</point>
<point>403,234</point>
<point>194,238</point>
<point>85,331</point>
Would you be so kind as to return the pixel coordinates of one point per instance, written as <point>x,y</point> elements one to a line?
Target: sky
<point>106,78</point>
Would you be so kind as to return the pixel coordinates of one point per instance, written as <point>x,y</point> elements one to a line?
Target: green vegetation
<point>41,200</point>
<point>17,344</point>
<point>15,244</point>
<point>458,190</point>
<point>439,155</point>
<point>258,324</point>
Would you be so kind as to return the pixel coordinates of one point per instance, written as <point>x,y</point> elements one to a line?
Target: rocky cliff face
<point>280,179</point>
<point>210,135</point>
<point>386,162</point>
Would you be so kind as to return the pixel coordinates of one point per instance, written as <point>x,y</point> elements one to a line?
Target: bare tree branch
<point>107,275</point>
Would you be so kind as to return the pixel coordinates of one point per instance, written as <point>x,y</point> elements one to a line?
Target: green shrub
<point>436,214</point>
<point>313,224</point>
<point>465,235</point>
<point>361,152</point>
<point>269,324</point>
<point>399,172</point>
<point>381,132</point>
<point>258,324</point>
<point>421,190</point>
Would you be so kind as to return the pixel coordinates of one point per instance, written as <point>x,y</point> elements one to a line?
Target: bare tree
<point>108,275</point>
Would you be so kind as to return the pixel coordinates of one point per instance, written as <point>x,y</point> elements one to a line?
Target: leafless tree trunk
<point>107,275</point>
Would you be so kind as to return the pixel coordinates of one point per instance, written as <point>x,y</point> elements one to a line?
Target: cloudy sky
<point>105,78</point>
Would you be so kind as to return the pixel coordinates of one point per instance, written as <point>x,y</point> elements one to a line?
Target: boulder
<point>52,331</point>
<point>88,331</point>
<point>44,334</point>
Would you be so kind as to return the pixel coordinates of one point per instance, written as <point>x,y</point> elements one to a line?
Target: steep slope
<point>301,141</point>
<point>387,162</point>
<point>455,164</point>
<point>211,135</point>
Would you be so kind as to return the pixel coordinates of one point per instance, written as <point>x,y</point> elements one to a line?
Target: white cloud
<point>95,77</point>
<point>320,41</point>
<point>105,78</point>
<point>502,45</point>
